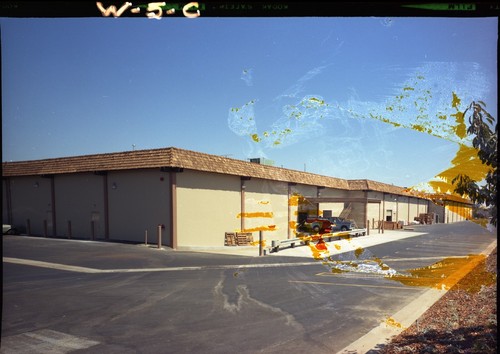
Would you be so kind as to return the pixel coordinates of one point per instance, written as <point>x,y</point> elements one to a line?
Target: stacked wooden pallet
<point>238,238</point>
<point>230,239</point>
<point>426,218</point>
<point>244,238</point>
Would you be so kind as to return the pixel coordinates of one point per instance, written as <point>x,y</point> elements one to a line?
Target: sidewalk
<point>304,251</point>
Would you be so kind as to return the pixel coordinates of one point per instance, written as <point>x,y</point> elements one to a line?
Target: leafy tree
<point>486,142</point>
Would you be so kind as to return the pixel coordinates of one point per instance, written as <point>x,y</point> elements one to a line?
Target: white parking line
<point>49,265</point>
<point>44,341</point>
<point>78,269</point>
<point>353,285</point>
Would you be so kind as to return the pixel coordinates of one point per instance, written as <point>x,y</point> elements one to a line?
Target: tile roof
<point>165,157</point>
<point>180,158</point>
<point>366,184</point>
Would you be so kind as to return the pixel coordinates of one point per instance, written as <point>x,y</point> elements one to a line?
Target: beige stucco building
<point>194,198</point>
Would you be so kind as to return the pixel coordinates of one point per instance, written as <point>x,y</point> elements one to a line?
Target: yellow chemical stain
<point>264,202</point>
<point>255,137</point>
<point>391,322</point>
<point>303,201</point>
<point>257,243</point>
<point>293,200</point>
<point>260,228</point>
<point>358,252</point>
<point>441,275</point>
<point>315,253</point>
<point>314,99</point>
<point>318,253</point>
<point>345,236</point>
<point>455,102</point>
<point>337,270</point>
<point>257,214</point>
<point>467,162</point>
<point>482,222</point>
<point>337,247</point>
<point>418,127</point>
<point>292,225</point>
<point>321,245</point>
<point>478,278</point>
<point>460,210</point>
<point>460,129</point>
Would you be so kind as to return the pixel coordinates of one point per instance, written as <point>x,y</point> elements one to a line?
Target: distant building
<point>196,198</point>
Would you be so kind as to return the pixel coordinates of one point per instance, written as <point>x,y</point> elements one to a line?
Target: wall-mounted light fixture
<point>36,185</point>
<point>114,186</point>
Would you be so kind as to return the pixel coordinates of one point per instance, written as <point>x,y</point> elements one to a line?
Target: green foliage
<point>486,141</point>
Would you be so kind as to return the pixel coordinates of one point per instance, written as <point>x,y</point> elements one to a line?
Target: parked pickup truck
<point>323,225</point>
<point>339,224</point>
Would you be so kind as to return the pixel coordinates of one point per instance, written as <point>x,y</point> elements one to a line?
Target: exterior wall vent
<point>262,161</point>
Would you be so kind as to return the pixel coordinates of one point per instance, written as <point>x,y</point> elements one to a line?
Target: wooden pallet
<point>426,218</point>
<point>243,238</point>
<point>230,239</point>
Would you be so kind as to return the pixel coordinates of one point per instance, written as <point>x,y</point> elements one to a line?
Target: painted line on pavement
<point>354,285</point>
<point>44,341</point>
<point>49,265</point>
<point>419,258</point>
<point>78,269</point>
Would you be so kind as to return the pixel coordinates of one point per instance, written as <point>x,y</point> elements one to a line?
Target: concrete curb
<point>382,334</point>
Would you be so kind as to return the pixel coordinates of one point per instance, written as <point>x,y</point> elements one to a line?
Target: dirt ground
<point>464,320</point>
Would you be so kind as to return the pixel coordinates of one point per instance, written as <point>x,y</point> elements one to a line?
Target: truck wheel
<point>316,228</point>
<point>343,228</point>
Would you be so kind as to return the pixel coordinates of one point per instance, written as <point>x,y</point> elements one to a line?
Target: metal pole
<point>28,227</point>
<point>159,236</point>
<point>92,229</point>
<point>260,243</point>
<point>146,237</point>
<point>368,228</point>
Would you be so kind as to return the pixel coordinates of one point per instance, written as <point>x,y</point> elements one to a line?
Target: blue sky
<point>312,91</point>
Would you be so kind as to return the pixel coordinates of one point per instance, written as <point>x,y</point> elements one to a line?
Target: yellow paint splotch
<point>391,322</point>
<point>455,102</point>
<point>257,214</point>
<point>442,275</point>
<point>257,243</point>
<point>466,162</point>
<point>358,252</point>
<point>293,200</point>
<point>260,228</point>
<point>460,129</point>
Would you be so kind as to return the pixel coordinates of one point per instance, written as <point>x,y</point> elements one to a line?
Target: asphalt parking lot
<point>87,297</point>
